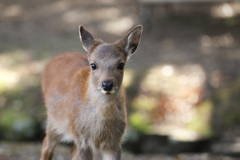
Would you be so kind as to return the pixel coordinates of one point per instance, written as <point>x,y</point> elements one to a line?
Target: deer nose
<point>107,85</point>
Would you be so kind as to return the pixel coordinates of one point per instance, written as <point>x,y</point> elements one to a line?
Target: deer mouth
<point>112,91</point>
<point>108,92</point>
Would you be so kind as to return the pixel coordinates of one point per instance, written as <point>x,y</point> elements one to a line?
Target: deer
<point>84,97</point>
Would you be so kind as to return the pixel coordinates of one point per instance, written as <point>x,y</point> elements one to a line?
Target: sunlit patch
<point>118,26</point>
<point>187,117</point>
<point>184,135</point>
<point>193,98</point>
<point>225,10</point>
<point>224,40</point>
<point>183,80</point>
<point>168,100</point>
<point>194,80</point>
<point>167,71</point>
<point>17,69</point>
<point>145,102</point>
<point>128,78</point>
<point>106,13</point>
<point>12,11</point>
<point>8,79</point>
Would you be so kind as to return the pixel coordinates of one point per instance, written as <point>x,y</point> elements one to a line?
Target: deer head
<point>107,61</point>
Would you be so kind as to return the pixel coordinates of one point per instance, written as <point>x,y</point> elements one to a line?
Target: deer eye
<point>93,66</point>
<point>121,66</point>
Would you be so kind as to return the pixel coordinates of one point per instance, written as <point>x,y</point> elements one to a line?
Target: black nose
<point>107,85</point>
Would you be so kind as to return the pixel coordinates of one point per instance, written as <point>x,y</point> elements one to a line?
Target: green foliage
<point>16,125</point>
<point>140,123</point>
<point>201,121</point>
<point>22,115</point>
<point>21,103</point>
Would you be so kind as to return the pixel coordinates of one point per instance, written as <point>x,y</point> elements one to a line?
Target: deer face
<point>107,61</point>
<point>107,66</point>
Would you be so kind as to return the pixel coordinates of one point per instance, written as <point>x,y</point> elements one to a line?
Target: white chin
<point>107,92</point>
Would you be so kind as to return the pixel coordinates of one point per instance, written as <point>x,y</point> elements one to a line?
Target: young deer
<point>84,97</point>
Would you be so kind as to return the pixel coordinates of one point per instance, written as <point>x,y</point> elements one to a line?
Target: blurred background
<point>183,83</point>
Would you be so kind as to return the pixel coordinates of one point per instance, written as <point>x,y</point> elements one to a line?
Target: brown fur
<point>78,108</point>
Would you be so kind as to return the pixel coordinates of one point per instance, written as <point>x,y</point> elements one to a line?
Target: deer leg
<point>49,143</point>
<point>81,151</point>
<point>112,154</point>
<point>74,153</point>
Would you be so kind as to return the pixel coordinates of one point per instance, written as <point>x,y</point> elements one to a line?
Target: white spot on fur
<point>67,138</point>
<point>112,91</point>
<point>108,156</point>
<point>104,92</point>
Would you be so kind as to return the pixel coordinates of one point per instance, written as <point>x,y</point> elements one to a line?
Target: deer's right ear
<point>86,37</point>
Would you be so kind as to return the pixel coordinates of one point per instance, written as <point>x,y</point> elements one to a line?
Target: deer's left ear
<point>130,41</point>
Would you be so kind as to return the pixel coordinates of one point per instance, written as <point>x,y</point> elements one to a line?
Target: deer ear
<point>130,41</point>
<point>86,37</point>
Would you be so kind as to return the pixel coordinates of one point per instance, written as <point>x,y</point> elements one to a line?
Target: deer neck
<point>105,105</point>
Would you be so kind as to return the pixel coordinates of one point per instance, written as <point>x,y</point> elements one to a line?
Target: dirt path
<point>31,151</point>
